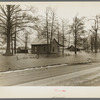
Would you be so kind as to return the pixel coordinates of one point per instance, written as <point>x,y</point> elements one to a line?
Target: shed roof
<point>42,41</point>
<point>39,41</point>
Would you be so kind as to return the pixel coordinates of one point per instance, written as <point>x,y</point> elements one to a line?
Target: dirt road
<point>84,75</point>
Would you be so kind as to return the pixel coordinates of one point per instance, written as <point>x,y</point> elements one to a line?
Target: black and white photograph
<point>50,44</point>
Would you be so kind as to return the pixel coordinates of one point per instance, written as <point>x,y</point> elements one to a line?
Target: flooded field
<point>21,61</point>
<point>70,70</point>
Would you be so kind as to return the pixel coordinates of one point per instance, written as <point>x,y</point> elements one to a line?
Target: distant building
<point>72,48</point>
<point>40,46</point>
<point>22,50</point>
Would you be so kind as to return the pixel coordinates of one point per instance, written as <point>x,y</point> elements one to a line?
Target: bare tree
<point>58,32</point>
<point>5,21</point>
<point>77,28</point>
<point>8,22</point>
<point>95,29</point>
<point>92,43</point>
<point>52,23</point>
<point>13,20</point>
<point>63,32</point>
<point>47,31</point>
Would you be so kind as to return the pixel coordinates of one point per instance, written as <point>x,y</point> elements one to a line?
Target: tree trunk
<point>63,44</point>
<point>26,38</point>
<point>47,33</point>
<point>51,33</point>
<point>75,43</point>
<point>8,52</point>
<point>69,40</point>
<point>91,43</point>
<point>96,42</point>
<point>58,38</point>
<point>12,44</point>
<point>15,43</point>
<point>63,39</point>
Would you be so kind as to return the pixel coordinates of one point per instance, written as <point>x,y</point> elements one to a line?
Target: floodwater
<point>22,61</point>
<point>83,65</point>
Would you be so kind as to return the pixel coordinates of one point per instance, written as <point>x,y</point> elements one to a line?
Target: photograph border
<point>21,93</point>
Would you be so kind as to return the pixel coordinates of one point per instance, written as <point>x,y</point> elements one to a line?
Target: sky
<point>65,10</point>
<point>68,10</point>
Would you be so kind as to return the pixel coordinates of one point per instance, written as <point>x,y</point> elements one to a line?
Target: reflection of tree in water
<point>95,56</point>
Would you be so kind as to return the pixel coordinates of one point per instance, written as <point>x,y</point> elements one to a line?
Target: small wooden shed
<point>72,48</point>
<point>40,46</point>
<point>22,50</point>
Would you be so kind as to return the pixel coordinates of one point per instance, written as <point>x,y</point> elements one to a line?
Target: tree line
<point>14,21</point>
